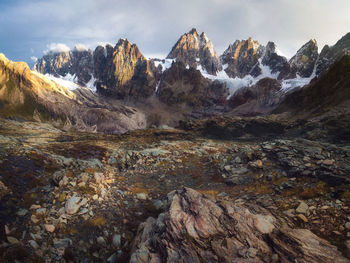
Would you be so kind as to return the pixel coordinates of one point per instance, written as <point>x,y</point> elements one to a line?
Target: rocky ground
<point>80,197</point>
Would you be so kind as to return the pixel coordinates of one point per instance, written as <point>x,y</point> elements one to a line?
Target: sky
<point>29,28</point>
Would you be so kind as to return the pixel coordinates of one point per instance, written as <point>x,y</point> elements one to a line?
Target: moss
<point>98,221</point>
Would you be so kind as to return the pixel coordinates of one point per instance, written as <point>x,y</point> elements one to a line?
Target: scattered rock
<point>49,228</point>
<point>116,241</point>
<point>302,208</point>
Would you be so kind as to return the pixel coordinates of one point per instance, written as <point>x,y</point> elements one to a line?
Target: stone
<point>34,219</point>
<point>101,241</point>
<point>302,208</point>
<point>72,205</point>
<point>347,225</point>
<point>328,162</point>
<point>22,212</point>
<point>142,196</point>
<point>194,228</point>
<point>33,244</point>
<point>116,241</point>
<point>303,218</point>
<point>12,240</point>
<point>49,228</point>
<point>62,243</point>
<point>256,164</point>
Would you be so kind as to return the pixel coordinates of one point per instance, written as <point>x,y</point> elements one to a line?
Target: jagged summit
<point>331,54</point>
<point>241,57</point>
<point>305,59</point>
<point>196,50</point>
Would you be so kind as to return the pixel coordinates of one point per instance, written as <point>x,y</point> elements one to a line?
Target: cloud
<point>34,59</point>
<point>155,25</point>
<point>80,47</point>
<point>56,48</point>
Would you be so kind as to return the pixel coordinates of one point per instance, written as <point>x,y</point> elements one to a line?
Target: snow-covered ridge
<point>237,83</point>
<point>70,82</point>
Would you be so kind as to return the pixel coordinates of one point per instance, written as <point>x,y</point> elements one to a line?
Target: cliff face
<point>78,63</point>
<point>124,72</point>
<point>196,50</point>
<point>30,95</point>
<point>242,58</point>
<point>120,71</point>
<point>330,54</point>
<point>305,59</point>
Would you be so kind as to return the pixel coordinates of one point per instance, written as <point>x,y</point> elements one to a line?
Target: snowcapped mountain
<point>192,73</point>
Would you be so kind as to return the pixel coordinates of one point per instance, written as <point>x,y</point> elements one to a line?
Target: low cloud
<point>56,48</point>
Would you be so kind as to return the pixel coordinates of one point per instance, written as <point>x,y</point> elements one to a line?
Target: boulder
<point>195,228</point>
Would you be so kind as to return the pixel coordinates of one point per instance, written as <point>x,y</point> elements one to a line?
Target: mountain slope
<point>331,54</point>
<point>32,96</point>
<point>330,90</point>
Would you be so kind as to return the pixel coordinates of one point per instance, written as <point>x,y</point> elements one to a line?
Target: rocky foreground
<point>83,197</point>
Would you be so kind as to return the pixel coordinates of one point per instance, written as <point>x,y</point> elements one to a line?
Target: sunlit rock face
<point>304,61</point>
<point>124,72</point>
<point>242,57</point>
<point>29,95</point>
<point>196,50</point>
<point>121,71</point>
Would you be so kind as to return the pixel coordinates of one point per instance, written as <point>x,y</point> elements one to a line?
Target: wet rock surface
<point>82,196</point>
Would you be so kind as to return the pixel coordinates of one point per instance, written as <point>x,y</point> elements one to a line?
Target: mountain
<point>124,72</point>
<point>261,98</point>
<point>331,54</point>
<point>78,63</point>
<point>28,95</point>
<point>278,65</point>
<point>196,50</point>
<point>249,57</point>
<point>241,58</point>
<point>121,71</point>
<point>304,61</point>
<point>330,92</point>
<point>180,85</point>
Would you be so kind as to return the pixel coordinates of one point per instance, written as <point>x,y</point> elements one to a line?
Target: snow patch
<point>92,84</point>
<point>66,81</point>
<point>165,63</point>
<point>237,83</point>
<point>290,84</point>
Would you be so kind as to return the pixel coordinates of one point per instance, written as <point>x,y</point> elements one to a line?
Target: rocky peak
<point>330,54</point>
<point>305,59</point>
<point>241,57</point>
<point>123,71</point>
<point>196,50</point>
<point>278,64</point>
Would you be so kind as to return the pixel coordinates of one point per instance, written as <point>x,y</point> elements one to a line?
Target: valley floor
<point>82,196</point>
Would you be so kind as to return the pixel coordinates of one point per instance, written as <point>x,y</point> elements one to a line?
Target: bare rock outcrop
<point>195,229</point>
<point>242,58</point>
<point>196,50</point>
